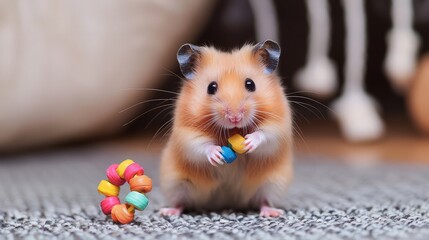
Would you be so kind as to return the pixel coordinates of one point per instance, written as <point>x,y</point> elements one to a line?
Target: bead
<point>108,203</point>
<point>121,213</point>
<point>237,143</point>
<point>113,176</point>
<point>108,189</point>
<point>122,166</point>
<point>141,184</point>
<point>138,200</point>
<point>228,155</point>
<point>132,170</point>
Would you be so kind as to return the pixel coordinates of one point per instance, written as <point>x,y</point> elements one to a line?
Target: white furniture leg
<point>319,73</point>
<point>265,20</point>
<point>403,43</point>
<point>355,109</point>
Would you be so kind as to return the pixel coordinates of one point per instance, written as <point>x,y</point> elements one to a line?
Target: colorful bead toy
<point>117,175</point>
<point>236,145</point>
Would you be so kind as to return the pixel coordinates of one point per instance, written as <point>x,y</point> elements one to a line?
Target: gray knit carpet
<point>52,194</point>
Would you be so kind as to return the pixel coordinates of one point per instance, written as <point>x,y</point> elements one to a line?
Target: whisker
<point>150,89</point>
<point>153,137</point>
<point>302,116</point>
<point>166,132</point>
<point>163,110</point>
<point>165,105</point>
<point>167,128</point>
<point>307,104</point>
<point>150,100</point>
<point>173,73</point>
<point>304,105</point>
<point>260,114</point>
<point>156,133</point>
<point>208,125</point>
<point>303,91</point>
<point>296,129</point>
<point>255,125</point>
<point>223,134</point>
<point>315,101</point>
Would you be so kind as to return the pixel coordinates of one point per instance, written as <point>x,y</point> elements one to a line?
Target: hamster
<point>226,93</point>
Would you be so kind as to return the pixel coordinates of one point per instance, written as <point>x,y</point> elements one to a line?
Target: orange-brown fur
<point>191,118</point>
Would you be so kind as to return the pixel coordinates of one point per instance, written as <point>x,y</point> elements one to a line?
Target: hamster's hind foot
<point>171,211</point>
<point>267,211</point>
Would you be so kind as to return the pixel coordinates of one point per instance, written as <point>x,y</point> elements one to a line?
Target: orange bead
<point>122,213</point>
<point>141,184</point>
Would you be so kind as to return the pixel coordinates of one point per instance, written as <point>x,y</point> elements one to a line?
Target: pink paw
<point>214,155</point>
<point>171,211</point>
<point>271,212</point>
<point>253,140</point>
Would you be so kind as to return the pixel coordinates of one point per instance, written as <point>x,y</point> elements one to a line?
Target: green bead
<point>138,200</point>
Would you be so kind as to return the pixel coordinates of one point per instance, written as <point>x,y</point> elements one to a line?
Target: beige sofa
<point>68,67</point>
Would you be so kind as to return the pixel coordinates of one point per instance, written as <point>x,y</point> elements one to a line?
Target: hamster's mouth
<point>241,131</point>
<point>235,130</point>
<point>242,123</point>
<point>235,123</point>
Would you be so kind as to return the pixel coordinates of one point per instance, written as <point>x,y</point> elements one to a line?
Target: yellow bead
<point>122,166</point>
<point>237,143</point>
<point>108,189</point>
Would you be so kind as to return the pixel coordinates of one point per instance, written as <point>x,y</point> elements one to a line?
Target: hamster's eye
<point>212,88</point>
<point>250,85</point>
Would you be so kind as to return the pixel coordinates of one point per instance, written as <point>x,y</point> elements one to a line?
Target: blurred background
<point>83,72</point>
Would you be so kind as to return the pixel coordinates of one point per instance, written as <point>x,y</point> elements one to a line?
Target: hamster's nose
<point>235,118</point>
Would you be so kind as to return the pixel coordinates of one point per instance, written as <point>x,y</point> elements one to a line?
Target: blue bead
<point>137,199</point>
<point>228,154</point>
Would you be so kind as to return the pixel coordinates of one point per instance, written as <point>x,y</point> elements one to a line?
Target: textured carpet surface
<point>53,195</point>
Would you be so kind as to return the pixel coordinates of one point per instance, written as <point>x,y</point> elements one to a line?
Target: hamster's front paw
<point>214,155</point>
<point>253,140</point>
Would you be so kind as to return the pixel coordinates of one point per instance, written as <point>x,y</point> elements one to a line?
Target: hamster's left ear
<point>268,53</point>
<point>188,56</point>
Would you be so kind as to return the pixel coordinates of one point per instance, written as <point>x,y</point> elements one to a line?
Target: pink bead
<point>108,203</point>
<point>132,170</point>
<point>113,176</point>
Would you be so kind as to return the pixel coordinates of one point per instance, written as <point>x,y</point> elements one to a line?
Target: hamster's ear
<point>187,56</point>
<point>268,53</point>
